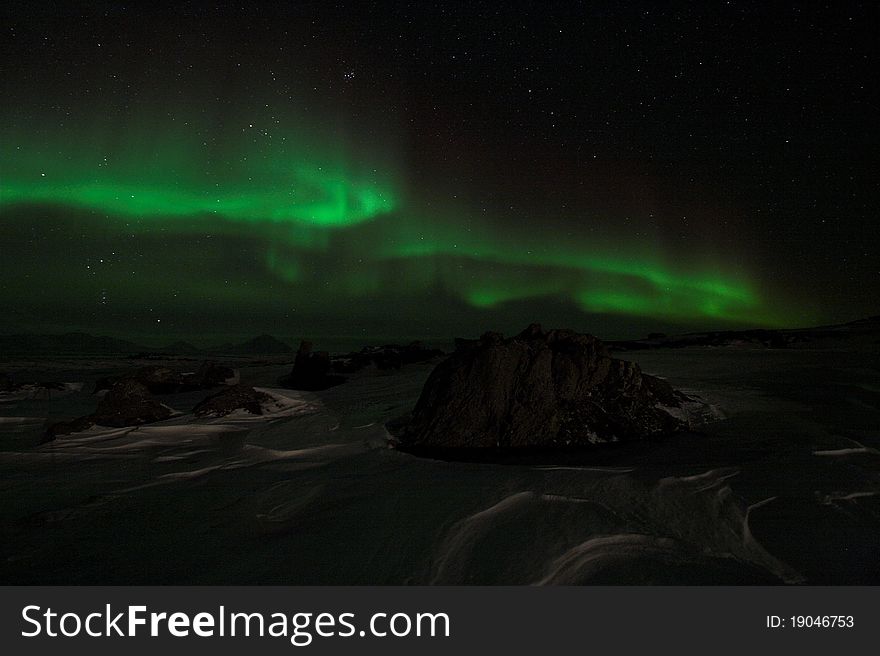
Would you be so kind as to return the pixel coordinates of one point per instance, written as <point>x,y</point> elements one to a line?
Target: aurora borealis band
<point>288,211</point>
<point>311,171</point>
<point>164,178</point>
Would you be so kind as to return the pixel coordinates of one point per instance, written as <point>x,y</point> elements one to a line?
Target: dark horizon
<point>344,342</point>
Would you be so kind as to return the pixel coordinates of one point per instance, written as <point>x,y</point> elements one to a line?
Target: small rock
<point>390,356</point>
<point>68,427</point>
<point>129,403</point>
<point>311,370</point>
<point>211,374</point>
<point>236,397</point>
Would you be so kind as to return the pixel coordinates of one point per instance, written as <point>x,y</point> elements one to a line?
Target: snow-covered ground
<point>784,489</point>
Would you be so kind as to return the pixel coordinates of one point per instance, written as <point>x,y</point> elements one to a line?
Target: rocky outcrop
<point>43,390</point>
<point>390,356</point>
<point>127,403</point>
<point>210,374</point>
<point>232,399</point>
<point>157,379</point>
<point>311,370</point>
<point>164,380</point>
<point>68,427</point>
<point>538,389</point>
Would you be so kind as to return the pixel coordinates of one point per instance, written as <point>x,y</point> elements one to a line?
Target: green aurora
<point>318,211</point>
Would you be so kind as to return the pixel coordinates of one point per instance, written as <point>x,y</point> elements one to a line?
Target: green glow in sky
<point>324,228</point>
<point>251,173</point>
<point>311,198</point>
<point>619,283</point>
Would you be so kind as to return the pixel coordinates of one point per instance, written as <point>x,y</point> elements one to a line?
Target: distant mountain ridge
<point>75,342</point>
<point>862,333</point>
<point>80,343</point>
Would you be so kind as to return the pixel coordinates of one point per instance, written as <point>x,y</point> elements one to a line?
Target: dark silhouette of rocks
<point>43,390</point>
<point>317,370</point>
<point>210,374</point>
<point>68,427</point>
<point>390,356</point>
<point>311,370</point>
<point>159,379</point>
<point>127,403</point>
<point>237,397</point>
<point>104,383</point>
<point>538,389</point>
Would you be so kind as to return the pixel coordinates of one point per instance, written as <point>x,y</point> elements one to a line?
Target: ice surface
<point>784,489</point>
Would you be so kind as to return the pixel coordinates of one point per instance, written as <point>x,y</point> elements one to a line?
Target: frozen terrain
<point>784,490</point>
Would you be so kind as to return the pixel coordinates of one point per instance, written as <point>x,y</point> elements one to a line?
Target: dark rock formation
<point>67,427</point>
<point>208,375</point>
<point>127,403</point>
<point>390,356</point>
<point>415,352</point>
<point>164,380</point>
<point>538,389</point>
<point>43,390</point>
<point>237,397</point>
<point>311,370</point>
<point>104,383</point>
<point>157,379</point>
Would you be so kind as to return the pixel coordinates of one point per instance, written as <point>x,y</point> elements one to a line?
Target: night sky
<point>425,170</point>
